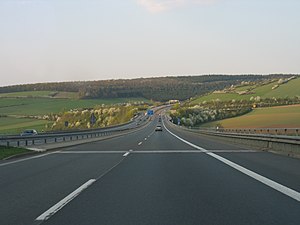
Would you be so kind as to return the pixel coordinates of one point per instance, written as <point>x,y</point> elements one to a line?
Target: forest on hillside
<point>159,89</point>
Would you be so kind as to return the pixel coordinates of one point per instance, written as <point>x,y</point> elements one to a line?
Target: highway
<point>172,177</point>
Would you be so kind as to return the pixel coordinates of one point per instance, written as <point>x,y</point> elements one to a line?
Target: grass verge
<point>10,151</point>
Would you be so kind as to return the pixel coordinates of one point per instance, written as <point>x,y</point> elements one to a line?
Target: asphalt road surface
<point>157,178</point>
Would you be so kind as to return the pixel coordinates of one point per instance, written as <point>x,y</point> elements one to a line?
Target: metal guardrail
<point>282,139</point>
<point>261,131</point>
<point>264,137</point>
<point>50,138</point>
<point>252,133</point>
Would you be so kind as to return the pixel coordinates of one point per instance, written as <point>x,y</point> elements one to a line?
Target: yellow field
<point>272,117</point>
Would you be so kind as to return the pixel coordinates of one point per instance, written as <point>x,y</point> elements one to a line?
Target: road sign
<point>150,112</point>
<point>93,119</point>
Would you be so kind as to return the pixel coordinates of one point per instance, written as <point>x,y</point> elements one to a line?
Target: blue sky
<point>61,40</point>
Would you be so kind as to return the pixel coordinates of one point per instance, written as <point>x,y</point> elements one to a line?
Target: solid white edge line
<point>279,187</point>
<point>91,152</point>
<point>140,143</point>
<point>26,159</point>
<point>54,209</point>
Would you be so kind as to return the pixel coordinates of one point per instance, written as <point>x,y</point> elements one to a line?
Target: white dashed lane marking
<point>54,209</point>
<point>126,154</point>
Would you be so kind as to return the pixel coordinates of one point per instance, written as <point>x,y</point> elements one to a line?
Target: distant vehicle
<point>158,128</point>
<point>29,132</point>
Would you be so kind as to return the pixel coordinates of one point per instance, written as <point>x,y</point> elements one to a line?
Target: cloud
<point>156,6</point>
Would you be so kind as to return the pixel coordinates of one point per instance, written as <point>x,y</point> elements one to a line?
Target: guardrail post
<point>33,142</point>
<point>26,142</point>
<point>7,143</point>
<point>77,137</point>
<point>18,143</point>
<point>71,138</point>
<point>45,141</point>
<point>55,139</point>
<point>297,131</point>
<point>64,138</point>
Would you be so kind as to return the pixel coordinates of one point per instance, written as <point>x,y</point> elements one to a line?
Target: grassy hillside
<point>15,105</point>
<point>290,89</point>
<point>41,106</point>
<point>272,117</point>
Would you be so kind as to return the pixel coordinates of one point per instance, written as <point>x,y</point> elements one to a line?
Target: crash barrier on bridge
<point>50,138</point>
<point>277,142</point>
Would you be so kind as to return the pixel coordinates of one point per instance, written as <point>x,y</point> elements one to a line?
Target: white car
<point>158,128</point>
<point>29,132</point>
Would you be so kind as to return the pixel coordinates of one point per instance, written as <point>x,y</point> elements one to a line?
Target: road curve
<point>147,177</point>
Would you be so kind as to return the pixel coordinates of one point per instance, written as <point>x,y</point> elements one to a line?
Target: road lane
<point>31,187</point>
<point>38,183</point>
<point>161,181</point>
<point>189,188</point>
<point>282,169</point>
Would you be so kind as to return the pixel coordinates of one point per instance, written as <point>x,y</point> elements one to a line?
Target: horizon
<point>62,41</point>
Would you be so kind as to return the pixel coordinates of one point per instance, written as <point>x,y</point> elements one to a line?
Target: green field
<point>41,106</point>
<point>14,105</point>
<point>40,94</point>
<point>272,117</point>
<point>290,89</point>
<point>11,125</point>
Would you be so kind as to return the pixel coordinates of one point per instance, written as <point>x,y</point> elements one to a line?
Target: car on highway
<point>158,128</point>
<point>29,132</point>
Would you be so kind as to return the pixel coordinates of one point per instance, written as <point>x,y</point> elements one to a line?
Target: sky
<point>68,40</point>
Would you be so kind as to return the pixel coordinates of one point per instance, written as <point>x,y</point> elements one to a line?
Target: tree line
<point>159,89</point>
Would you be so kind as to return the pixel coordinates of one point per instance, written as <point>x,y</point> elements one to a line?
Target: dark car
<point>29,132</point>
<point>158,128</point>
